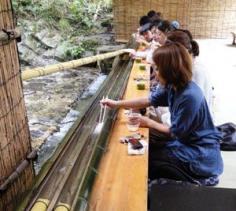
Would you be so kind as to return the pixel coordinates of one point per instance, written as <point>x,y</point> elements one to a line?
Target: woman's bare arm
<point>132,103</point>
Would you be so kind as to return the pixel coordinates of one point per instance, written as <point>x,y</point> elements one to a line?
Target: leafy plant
<point>81,13</point>
<point>72,17</point>
<point>89,45</point>
<point>75,52</point>
<point>64,25</point>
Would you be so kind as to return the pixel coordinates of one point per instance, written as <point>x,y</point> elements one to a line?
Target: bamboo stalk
<point>41,71</point>
<point>79,171</point>
<point>83,192</point>
<point>41,205</point>
<point>62,207</point>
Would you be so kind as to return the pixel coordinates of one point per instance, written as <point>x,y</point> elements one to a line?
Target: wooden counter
<point>121,183</point>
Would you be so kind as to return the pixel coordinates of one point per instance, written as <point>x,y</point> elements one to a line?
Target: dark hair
<point>195,47</point>
<point>187,32</point>
<point>159,14</point>
<point>174,64</point>
<point>164,26</point>
<point>185,39</point>
<point>156,22</point>
<point>144,20</point>
<point>151,13</point>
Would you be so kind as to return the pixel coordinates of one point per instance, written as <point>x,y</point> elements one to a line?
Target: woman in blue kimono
<point>192,146</point>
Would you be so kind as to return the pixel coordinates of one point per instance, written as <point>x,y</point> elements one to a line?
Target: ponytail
<point>195,48</point>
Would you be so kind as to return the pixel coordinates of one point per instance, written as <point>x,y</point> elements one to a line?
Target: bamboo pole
<point>40,205</point>
<point>84,188</point>
<point>46,70</point>
<point>62,207</point>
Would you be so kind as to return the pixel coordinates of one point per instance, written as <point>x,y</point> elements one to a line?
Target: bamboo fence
<point>14,131</point>
<point>204,18</point>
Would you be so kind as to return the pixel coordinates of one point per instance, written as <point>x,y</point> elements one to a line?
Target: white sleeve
<point>203,80</point>
<point>142,54</point>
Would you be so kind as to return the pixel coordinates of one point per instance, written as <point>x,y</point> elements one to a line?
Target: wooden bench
<point>121,183</point>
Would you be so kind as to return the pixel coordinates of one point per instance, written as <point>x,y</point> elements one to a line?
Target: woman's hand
<point>139,38</point>
<point>110,103</point>
<point>144,121</point>
<point>132,54</point>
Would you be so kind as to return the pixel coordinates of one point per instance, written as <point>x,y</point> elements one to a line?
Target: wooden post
<point>15,145</point>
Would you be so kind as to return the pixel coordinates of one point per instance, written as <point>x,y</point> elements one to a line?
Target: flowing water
<point>54,104</point>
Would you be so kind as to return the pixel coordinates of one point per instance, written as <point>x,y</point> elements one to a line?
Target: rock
<point>37,142</point>
<point>26,54</point>
<point>110,48</point>
<point>88,53</point>
<point>60,50</point>
<point>36,86</point>
<point>48,99</point>
<point>101,39</point>
<point>36,133</point>
<point>47,39</point>
<point>52,42</point>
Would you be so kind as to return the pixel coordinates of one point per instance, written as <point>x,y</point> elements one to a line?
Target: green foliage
<point>74,53</point>
<point>64,25</point>
<point>77,13</point>
<point>24,7</point>
<point>89,45</point>
<point>77,52</point>
<point>72,17</point>
<point>25,2</point>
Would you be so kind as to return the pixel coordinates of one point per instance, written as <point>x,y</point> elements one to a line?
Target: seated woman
<point>136,36</point>
<point>200,72</point>
<point>145,35</point>
<point>162,29</point>
<point>192,146</point>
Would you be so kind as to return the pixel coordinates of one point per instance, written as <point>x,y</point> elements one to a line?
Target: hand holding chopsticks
<point>103,108</point>
<point>109,103</point>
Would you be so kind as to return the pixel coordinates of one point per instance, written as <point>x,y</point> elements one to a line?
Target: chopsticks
<point>103,110</point>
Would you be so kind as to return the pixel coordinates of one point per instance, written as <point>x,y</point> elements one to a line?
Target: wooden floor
<point>121,184</point>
